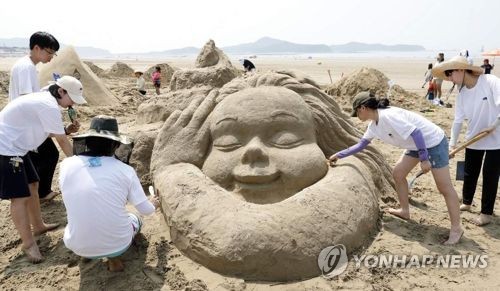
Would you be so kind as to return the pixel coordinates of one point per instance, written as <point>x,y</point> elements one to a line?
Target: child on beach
<point>156,76</point>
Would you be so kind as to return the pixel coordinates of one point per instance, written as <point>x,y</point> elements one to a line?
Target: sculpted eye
<point>226,143</point>
<point>285,139</point>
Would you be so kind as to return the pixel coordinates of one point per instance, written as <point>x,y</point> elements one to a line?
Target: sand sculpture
<point>67,62</point>
<point>244,184</point>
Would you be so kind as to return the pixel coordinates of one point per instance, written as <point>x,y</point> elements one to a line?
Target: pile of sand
<point>167,72</point>
<point>94,68</point>
<point>120,70</point>
<point>369,79</point>
<point>68,63</point>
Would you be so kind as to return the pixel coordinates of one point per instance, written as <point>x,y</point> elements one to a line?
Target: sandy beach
<point>154,263</point>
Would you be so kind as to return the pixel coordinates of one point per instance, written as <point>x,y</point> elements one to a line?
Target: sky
<point>127,26</point>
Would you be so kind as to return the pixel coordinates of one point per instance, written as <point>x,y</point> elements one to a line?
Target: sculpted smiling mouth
<point>256,179</point>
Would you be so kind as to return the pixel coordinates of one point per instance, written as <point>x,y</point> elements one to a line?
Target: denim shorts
<point>438,155</point>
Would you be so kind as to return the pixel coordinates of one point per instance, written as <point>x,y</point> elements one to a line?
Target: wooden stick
<point>331,82</point>
<point>469,142</point>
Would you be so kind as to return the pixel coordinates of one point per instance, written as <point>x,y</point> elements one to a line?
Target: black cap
<point>360,99</point>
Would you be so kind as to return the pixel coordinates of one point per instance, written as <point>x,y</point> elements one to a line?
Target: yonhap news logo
<point>332,260</point>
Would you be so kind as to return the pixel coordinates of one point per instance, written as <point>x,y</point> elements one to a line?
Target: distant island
<point>265,45</point>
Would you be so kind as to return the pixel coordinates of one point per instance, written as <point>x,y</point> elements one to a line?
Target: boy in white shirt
<point>24,124</point>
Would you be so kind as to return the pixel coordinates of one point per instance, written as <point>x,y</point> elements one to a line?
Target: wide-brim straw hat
<point>105,127</point>
<point>455,63</point>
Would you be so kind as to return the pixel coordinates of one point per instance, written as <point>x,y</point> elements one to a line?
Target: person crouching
<point>95,189</point>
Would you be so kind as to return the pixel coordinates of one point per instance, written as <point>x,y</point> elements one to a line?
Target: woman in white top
<point>478,102</point>
<point>424,142</point>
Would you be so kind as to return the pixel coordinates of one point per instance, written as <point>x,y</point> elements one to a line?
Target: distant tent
<point>67,62</point>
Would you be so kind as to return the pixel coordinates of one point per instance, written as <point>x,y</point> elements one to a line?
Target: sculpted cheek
<point>219,165</point>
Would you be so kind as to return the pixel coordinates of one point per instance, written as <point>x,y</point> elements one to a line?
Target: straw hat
<point>455,63</point>
<point>105,127</point>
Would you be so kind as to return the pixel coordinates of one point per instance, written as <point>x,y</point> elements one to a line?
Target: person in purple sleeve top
<point>424,143</point>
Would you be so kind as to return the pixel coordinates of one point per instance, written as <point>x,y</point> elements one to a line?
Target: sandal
<point>33,254</point>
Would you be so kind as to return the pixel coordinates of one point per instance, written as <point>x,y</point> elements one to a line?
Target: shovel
<point>460,164</point>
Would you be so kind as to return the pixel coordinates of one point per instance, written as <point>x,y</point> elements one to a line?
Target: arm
<point>64,143</point>
<point>362,144</point>
<point>455,132</point>
<point>418,138</point>
<point>147,207</point>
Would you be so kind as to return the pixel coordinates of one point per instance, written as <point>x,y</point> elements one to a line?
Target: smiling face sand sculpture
<point>264,146</point>
<point>244,183</point>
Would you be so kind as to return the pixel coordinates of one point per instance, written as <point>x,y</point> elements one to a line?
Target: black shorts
<point>143,92</point>
<point>14,180</point>
<point>157,83</point>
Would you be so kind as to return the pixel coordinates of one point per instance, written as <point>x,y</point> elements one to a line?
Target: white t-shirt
<point>23,78</point>
<point>140,83</point>
<point>26,122</point>
<point>95,199</point>
<point>395,126</point>
<point>480,106</point>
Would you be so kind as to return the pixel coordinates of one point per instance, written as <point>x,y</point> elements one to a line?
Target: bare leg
<point>20,217</point>
<point>400,172</point>
<point>35,215</point>
<point>445,187</point>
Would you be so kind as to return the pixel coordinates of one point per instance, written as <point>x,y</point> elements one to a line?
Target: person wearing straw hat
<point>478,102</point>
<point>95,189</point>
<point>424,143</point>
<point>140,82</point>
<point>25,123</point>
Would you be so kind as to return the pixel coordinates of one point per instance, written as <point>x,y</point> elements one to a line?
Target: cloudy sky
<point>154,25</point>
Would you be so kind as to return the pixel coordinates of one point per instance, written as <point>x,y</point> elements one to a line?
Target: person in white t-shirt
<point>95,189</point>
<point>24,124</point>
<point>424,142</point>
<point>478,102</point>
<point>23,75</point>
<point>140,82</point>
<point>24,80</point>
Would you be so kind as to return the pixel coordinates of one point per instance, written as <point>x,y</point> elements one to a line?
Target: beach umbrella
<point>492,53</point>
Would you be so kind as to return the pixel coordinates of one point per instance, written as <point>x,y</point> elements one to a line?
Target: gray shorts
<point>438,155</point>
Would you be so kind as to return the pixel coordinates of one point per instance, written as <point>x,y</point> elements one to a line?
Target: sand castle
<point>68,63</point>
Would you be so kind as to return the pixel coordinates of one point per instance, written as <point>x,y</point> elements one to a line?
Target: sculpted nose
<point>255,152</point>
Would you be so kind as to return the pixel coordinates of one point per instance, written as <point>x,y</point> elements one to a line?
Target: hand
<point>73,127</point>
<point>155,200</point>
<point>184,137</point>
<point>451,149</point>
<point>333,159</point>
<point>425,166</point>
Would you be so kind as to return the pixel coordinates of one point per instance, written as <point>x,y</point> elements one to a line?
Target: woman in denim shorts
<point>425,143</point>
